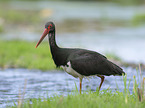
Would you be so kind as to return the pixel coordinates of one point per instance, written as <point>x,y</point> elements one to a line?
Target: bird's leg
<point>102,80</point>
<point>80,85</point>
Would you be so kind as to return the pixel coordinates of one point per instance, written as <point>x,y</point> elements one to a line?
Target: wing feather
<point>91,64</point>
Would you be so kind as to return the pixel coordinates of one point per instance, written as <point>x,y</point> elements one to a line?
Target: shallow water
<point>43,84</point>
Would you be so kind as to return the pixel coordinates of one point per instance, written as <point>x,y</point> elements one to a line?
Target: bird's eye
<point>50,25</point>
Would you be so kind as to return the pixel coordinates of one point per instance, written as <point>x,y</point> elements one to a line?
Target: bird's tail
<point>117,70</point>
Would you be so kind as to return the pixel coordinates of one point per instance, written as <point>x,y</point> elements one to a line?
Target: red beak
<point>42,37</point>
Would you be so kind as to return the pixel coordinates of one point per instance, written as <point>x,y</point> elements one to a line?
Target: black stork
<point>77,62</point>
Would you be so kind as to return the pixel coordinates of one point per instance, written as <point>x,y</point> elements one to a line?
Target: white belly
<point>71,71</point>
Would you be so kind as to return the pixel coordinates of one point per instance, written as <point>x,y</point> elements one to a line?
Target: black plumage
<point>79,62</point>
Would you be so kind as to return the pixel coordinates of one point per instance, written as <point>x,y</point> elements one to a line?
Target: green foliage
<point>138,19</point>
<point>128,2</point>
<point>113,56</point>
<point>119,1</point>
<point>104,99</point>
<point>89,99</point>
<point>23,54</point>
<point>19,16</point>
<point>1,28</point>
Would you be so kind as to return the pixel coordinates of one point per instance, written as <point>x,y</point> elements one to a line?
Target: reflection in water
<point>43,84</point>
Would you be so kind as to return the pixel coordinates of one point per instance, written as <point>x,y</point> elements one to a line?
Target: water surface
<point>43,84</point>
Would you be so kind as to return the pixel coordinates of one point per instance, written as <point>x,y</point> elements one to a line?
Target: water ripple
<point>43,84</point>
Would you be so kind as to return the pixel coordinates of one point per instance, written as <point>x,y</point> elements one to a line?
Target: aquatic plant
<point>89,99</point>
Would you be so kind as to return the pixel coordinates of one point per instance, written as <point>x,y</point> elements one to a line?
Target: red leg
<point>80,85</point>
<point>102,80</point>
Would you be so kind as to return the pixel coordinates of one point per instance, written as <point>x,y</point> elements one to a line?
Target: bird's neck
<point>59,55</point>
<point>52,41</point>
<point>53,47</point>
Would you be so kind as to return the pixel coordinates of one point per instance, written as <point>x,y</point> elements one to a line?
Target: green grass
<point>113,56</point>
<point>128,2</point>
<point>116,1</point>
<point>22,54</point>
<point>1,28</point>
<point>19,16</point>
<point>89,99</point>
<point>104,99</point>
<point>138,19</point>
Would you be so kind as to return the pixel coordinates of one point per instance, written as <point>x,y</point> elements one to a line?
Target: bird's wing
<point>92,65</point>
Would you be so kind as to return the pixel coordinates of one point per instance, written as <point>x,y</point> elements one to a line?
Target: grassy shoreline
<point>104,99</point>
<point>89,99</point>
<point>23,54</point>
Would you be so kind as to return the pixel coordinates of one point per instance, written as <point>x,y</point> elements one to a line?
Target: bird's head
<point>49,27</point>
